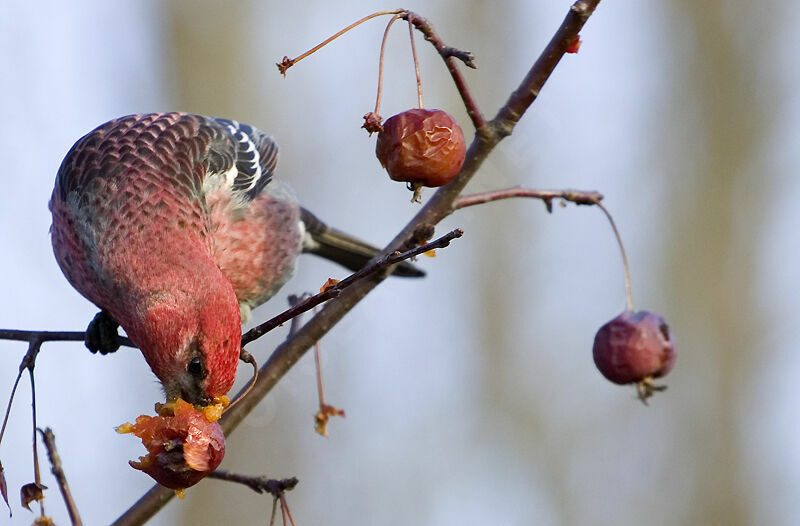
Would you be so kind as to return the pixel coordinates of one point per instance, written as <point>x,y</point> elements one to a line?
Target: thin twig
<point>37,475</point>
<point>49,440</point>
<point>578,197</point>
<point>521,99</point>
<point>439,206</point>
<point>304,305</point>
<point>450,56</point>
<point>297,320</point>
<point>8,406</point>
<point>52,336</point>
<point>309,303</point>
<point>259,484</point>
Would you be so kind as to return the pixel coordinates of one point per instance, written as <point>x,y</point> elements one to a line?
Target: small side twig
<point>259,484</point>
<point>49,440</point>
<point>579,197</point>
<point>304,305</point>
<point>380,265</point>
<point>297,320</point>
<point>450,56</point>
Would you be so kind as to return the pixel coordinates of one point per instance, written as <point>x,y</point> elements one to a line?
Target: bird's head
<point>192,344</point>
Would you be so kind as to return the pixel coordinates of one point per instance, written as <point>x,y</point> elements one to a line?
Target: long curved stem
<point>287,62</point>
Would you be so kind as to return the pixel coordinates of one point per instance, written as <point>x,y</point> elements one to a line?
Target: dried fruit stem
<point>8,407</point>
<point>247,358</point>
<point>416,62</point>
<point>576,196</point>
<point>318,366</point>
<point>274,509</point>
<point>450,55</point>
<point>37,476</point>
<point>285,510</point>
<point>380,62</point>
<point>287,62</point>
<point>628,293</point>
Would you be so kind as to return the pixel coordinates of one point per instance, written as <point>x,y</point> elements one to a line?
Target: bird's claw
<point>102,335</point>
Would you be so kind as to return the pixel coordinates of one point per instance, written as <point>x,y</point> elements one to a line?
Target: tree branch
<point>49,440</point>
<point>51,336</point>
<point>450,55</point>
<point>579,197</point>
<point>258,484</point>
<point>440,205</point>
<point>308,303</point>
<point>528,90</point>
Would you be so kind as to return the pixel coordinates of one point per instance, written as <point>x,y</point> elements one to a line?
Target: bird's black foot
<point>102,335</point>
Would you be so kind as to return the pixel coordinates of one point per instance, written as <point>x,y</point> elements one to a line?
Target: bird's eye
<point>195,367</point>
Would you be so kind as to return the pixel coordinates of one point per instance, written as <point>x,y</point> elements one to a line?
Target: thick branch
<point>438,207</point>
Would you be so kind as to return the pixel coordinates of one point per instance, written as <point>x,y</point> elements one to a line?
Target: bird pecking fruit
<point>421,147</point>
<point>635,347</point>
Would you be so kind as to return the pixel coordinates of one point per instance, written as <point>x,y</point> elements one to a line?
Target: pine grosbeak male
<point>174,225</point>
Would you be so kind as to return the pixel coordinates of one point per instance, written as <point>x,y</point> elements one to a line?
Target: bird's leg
<point>102,335</point>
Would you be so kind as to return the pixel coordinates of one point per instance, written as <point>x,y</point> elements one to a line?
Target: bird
<point>176,226</point>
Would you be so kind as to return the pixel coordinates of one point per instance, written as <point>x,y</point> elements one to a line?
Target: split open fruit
<point>183,444</point>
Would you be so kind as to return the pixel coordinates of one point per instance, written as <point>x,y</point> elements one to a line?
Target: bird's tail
<point>344,249</point>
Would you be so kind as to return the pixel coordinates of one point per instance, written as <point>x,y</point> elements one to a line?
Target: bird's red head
<point>192,341</point>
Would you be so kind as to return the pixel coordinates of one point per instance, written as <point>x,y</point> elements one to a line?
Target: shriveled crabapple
<point>635,347</point>
<point>421,147</point>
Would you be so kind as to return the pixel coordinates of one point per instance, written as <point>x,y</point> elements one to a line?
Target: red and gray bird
<point>175,226</point>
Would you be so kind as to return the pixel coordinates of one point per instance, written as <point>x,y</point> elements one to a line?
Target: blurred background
<point>471,395</point>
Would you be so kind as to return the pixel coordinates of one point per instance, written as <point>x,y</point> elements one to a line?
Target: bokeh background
<point>471,395</point>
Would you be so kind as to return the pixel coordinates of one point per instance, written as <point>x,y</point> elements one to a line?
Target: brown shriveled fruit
<point>421,147</point>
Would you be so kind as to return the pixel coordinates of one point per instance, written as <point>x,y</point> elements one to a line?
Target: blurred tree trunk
<point>713,250</point>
